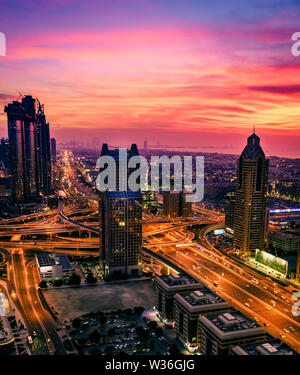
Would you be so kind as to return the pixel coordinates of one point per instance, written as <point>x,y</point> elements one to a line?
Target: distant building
<point>165,289</point>
<point>53,149</point>
<point>4,153</point>
<point>251,198</point>
<point>54,266</point>
<point>175,205</point>
<point>188,307</point>
<point>229,216</point>
<point>286,242</point>
<point>29,151</point>
<point>268,347</point>
<point>145,144</point>
<point>121,232</point>
<point>221,332</point>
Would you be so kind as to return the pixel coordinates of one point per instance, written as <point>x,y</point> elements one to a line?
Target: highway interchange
<point>257,296</point>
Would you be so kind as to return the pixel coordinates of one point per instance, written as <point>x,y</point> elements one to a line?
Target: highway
<point>258,297</point>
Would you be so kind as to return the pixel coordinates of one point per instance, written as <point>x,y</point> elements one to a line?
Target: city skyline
<point>193,75</point>
<point>149,181</point>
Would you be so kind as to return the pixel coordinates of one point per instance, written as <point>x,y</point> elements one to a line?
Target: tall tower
<point>251,198</point>
<point>120,222</point>
<point>43,152</point>
<point>29,145</point>
<point>53,149</point>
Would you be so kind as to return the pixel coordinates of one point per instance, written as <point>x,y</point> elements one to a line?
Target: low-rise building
<point>268,347</point>
<point>286,242</point>
<point>188,307</point>
<point>165,289</point>
<point>54,266</point>
<point>219,333</point>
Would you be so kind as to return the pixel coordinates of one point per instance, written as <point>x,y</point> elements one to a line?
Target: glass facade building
<point>29,143</point>
<point>251,199</point>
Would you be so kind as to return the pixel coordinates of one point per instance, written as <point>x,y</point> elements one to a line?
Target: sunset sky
<point>192,73</point>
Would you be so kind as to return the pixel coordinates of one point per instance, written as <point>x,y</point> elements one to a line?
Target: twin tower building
<point>29,149</point>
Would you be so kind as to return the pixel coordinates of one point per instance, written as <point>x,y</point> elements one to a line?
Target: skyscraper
<point>4,152</point>
<point>251,198</point>
<point>53,149</point>
<point>43,152</point>
<point>28,136</point>
<point>121,232</point>
<point>120,222</point>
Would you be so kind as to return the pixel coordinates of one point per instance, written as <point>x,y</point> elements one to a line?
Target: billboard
<point>218,231</point>
<point>277,264</point>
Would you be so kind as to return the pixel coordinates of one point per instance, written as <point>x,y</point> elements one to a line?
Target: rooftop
<point>253,149</point>
<point>178,279</point>
<point>47,260</point>
<point>272,347</point>
<point>201,297</point>
<point>232,321</point>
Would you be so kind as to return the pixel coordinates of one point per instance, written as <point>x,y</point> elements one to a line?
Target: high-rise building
<point>29,142</point>
<point>4,152</point>
<point>145,144</point>
<point>121,220</point>
<point>121,232</point>
<point>251,198</point>
<point>53,149</point>
<point>117,155</point>
<point>175,205</point>
<point>43,152</point>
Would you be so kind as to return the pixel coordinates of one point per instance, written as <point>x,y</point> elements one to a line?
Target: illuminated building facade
<point>188,307</point>
<point>165,289</point>
<point>29,142</point>
<point>250,198</point>
<point>221,332</point>
<point>121,232</point>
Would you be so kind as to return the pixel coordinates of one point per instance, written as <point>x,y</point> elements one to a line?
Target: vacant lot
<point>73,302</point>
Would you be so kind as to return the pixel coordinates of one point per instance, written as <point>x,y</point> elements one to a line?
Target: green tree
<point>43,284</point>
<point>138,310</point>
<point>152,325</point>
<point>95,337</point>
<point>76,323</point>
<point>158,331</point>
<point>57,282</point>
<point>108,349</point>
<point>91,279</point>
<point>74,279</point>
